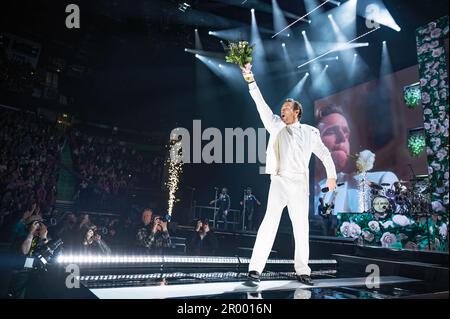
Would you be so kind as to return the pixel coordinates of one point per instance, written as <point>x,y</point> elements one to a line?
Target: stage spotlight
<point>283,44</point>
<point>303,32</point>
<point>183,6</point>
<point>197,55</point>
<point>384,42</point>
<point>307,73</point>
<point>326,66</point>
<point>377,12</point>
<point>220,66</point>
<point>210,32</point>
<point>252,10</point>
<point>337,58</point>
<point>355,55</point>
<point>330,16</point>
<point>185,49</point>
<point>288,35</point>
<point>196,30</point>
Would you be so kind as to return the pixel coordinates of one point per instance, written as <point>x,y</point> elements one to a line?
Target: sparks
<point>175,169</point>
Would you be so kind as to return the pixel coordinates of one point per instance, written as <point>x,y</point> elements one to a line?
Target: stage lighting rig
<point>183,6</point>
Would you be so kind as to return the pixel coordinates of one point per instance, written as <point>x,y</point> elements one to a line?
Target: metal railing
<point>234,216</point>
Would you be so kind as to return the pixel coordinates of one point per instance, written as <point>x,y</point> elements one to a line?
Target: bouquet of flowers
<point>240,53</point>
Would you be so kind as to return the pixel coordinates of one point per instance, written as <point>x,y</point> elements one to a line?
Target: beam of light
<point>260,7</point>
<point>279,22</point>
<point>386,65</point>
<point>309,49</point>
<point>331,58</point>
<point>321,83</point>
<point>298,88</point>
<point>353,65</point>
<point>224,46</point>
<point>259,52</point>
<point>345,17</point>
<point>286,56</point>
<point>234,34</point>
<point>358,69</point>
<point>341,47</point>
<point>338,47</point>
<point>337,31</point>
<point>336,3</point>
<point>175,170</point>
<point>227,72</point>
<point>299,19</point>
<point>204,53</point>
<point>198,42</point>
<point>376,13</point>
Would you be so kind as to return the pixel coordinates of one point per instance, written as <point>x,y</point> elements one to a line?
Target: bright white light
<point>384,42</point>
<point>288,35</point>
<point>337,58</point>
<point>185,49</point>
<point>356,54</point>
<point>196,30</point>
<point>252,10</point>
<point>303,32</point>
<point>283,44</point>
<point>220,65</point>
<point>196,55</point>
<point>330,16</point>
<point>307,74</point>
<point>326,66</point>
<point>210,32</point>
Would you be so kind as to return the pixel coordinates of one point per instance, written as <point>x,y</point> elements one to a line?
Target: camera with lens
<point>45,255</point>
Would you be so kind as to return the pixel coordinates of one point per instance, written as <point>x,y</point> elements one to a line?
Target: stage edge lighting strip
<point>86,259</point>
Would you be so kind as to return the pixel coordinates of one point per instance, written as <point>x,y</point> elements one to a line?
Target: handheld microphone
<point>326,189</point>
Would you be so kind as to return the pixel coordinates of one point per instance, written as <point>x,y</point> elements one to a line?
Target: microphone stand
<point>215,205</point>
<point>243,212</point>
<point>429,206</point>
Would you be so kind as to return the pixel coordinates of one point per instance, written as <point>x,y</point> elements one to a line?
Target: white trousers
<point>293,193</point>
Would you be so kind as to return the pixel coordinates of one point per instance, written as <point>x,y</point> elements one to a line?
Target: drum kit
<point>411,197</point>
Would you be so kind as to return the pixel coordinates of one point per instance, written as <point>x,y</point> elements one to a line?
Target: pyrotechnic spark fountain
<point>174,172</point>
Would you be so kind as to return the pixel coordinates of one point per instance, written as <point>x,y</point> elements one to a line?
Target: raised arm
<point>268,118</point>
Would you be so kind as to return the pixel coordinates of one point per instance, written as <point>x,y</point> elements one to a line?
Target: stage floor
<point>229,285</point>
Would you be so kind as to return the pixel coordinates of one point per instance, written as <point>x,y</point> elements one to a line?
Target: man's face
<point>335,135</point>
<point>224,191</point>
<point>147,217</point>
<point>288,115</point>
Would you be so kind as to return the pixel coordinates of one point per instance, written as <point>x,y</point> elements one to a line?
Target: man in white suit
<point>287,159</point>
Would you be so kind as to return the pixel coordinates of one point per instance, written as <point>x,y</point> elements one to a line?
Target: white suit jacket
<point>274,124</point>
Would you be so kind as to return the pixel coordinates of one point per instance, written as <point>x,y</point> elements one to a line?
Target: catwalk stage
<point>403,274</point>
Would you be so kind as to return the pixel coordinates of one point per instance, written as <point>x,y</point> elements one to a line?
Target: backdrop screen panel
<point>371,116</point>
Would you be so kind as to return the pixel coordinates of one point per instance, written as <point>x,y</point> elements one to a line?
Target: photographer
<point>36,237</point>
<point>93,242</point>
<point>27,246</point>
<point>159,237</point>
<point>204,241</point>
